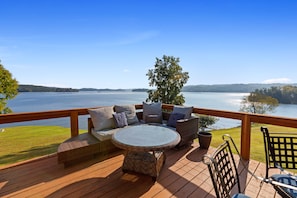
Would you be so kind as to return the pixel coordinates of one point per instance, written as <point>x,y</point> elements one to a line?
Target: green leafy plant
<point>168,79</point>
<point>8,89</point>
<point>258,102</point>
<point>205,121</point>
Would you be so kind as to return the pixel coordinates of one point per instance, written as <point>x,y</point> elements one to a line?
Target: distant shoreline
<point>236,88</point>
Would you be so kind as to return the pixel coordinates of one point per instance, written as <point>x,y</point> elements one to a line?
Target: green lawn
<point>257,145</point>
<point>26,142</point>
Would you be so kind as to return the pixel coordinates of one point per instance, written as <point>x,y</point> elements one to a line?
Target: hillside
<point>241,88</point>
<point>34,88</point>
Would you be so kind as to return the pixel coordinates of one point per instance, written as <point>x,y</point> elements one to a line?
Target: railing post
<point>74,123</point>
<point>245,137</point>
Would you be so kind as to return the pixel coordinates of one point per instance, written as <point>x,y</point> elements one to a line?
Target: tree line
<point>241,88</point>
<point>267,99</point>
<point>284,95</point>
<point>35,88</point>
<point>8,89</point>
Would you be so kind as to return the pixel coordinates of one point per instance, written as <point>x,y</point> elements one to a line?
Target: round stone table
<point>144,145</point>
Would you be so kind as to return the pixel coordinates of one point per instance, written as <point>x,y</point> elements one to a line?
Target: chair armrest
<point>188,126</point>
<point>193,122</point>
<point>90,125</point>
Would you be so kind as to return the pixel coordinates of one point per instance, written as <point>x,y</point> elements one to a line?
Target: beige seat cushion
<point>104,135</point>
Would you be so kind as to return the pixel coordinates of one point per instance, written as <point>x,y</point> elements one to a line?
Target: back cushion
<point>187,111</point>
<point>102,118</point>
<point>152,111</point>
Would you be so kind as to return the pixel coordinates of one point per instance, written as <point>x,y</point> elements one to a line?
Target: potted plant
<point>204,134</point>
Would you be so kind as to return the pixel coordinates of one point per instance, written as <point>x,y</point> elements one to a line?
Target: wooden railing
<point>246,120</point>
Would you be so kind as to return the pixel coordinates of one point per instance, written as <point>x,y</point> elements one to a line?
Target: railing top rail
<point>246,120</point>
<point>258,118</point>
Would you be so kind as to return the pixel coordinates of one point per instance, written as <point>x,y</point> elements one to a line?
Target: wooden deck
<point>183,175</point>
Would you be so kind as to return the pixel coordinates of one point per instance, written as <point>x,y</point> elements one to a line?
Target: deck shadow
<point>29,153</point>
<point>197,154</point>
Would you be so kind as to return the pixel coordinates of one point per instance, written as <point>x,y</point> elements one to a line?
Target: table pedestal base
<point>149,163</point>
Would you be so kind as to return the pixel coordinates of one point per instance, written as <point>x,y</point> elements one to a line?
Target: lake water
<point>34,101</point>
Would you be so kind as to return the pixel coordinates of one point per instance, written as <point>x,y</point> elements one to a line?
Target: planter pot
<point>204,139</point>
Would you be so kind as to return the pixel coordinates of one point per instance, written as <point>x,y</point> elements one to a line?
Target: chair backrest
<point>222,169</point>
<point>280,150</point>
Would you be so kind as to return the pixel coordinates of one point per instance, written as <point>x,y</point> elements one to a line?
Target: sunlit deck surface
<point>183,175</point>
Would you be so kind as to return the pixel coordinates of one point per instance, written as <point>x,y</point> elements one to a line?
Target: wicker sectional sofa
<point>98,138</point>
<point>187,128</point>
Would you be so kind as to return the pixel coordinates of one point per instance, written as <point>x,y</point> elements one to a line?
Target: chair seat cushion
<point>285,179</point>
<point>104,135</point>
<point>240,196</point>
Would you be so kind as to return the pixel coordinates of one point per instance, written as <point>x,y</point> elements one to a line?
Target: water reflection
<point>28,102</point>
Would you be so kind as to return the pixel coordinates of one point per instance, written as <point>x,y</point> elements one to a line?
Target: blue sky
<point>113,44</point>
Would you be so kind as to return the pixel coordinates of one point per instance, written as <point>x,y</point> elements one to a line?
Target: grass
<point>257,144</point>
<point>26,142</point>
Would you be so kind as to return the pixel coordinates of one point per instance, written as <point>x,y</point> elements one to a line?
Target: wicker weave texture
<point>149,163</point>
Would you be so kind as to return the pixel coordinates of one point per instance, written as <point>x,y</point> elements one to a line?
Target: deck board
<point>183,175</point>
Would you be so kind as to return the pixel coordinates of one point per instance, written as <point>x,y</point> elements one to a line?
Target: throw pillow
<point>187,111</point>
<point>130,112</point>
<point>174,117</point>
<point>102,118</point>
<point>120,119</point>
<point>152,110</point>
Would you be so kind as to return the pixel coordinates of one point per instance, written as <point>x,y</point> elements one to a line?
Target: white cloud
<point>278,80</point>
<point>126,70</point>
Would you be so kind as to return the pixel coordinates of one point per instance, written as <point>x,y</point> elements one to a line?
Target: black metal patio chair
<point>281,152</point>
<point>223,171</point>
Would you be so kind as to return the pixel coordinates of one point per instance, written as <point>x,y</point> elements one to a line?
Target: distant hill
<point>140,90</point>
<point>243,88</point>
<point>93,89</point>
<point>34,88</point>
